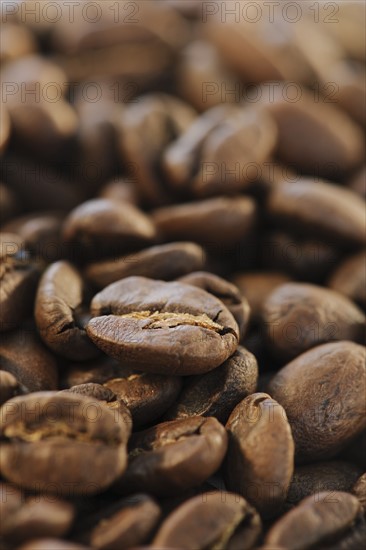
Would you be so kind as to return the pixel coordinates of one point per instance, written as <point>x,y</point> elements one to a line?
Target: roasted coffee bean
<point>9,386</point>
<point>256,287</point>
<point>313,479</point>
<point>211,520</point>
<point>97,371</point>
<point>132,524</point>
<point>24,518</point>
<point>216,393</point>
<point>319,209</point>
<point>358,182</point>
<point>174,456</point>
<point>18,41</point>
<point>246,133</point>
<point>62,443</point>
<point>121,189</point>
<point>24,356</point>
<point>359,490</point>
<point>5,129</point>
<point>146,395</point>
<point>60,313</point>
<point>213,223</point>
<point>178,314</point>
<point>19,275</point>
<point>9,204</point>
<point>309,139</point>
<point>260,459</point>
<point>322,392</point>
<point>226,292</point>
<point>146,129</point>
<point>316,522</point>
<point>165,261</point>
<point>51,544</point>
<point>100,228</point>
<point>350,278</point>
<point>299,316</point>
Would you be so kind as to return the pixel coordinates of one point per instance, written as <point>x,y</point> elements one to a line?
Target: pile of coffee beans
<point>183,275</point>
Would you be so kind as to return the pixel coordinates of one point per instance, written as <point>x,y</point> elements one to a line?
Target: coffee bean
<point>226,292</point>
<point>359,490</point>
<point>19,275</point>
<point>299,316</point>
<point>97,371</point>
<point>260,459</point>
<point>131,525</point>
<point>100,228</point>
<point>24,356</point>
<point>311,479</point>
<point>24,518</point>
<point>61,443</point>
<point>322,392</point>
<point>9,386</point>
<point>18,41</point>
<point>165,261</point>
<point>211,520</point>
<point>315,522</point>
<point>146,395</point>
<point>51,544</point>
<point>173,456</point>
<point>320,209</point>
<point>179,315</point>
<point>350,278</point>
<point>60,313</point>
<point>5,129</point>
<point>216,393</point>
<point>214,223</point>
<point>9,204</point>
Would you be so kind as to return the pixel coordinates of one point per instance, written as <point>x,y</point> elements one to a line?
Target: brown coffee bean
<point>327,211</point>
<point>24,356</point>
<point>17,41</point>
<point>19,275</point>
<point>359,490</point>
<point>246,134</point>
<point>121,189</point>
<point>24,518</point>
<point>214,223</point>
<point>51,544</point>
<point>97,371</point>
<point>216,393</point>
<point>299,316</point>
<point>358,182</point>
<point>211,520</point>
<point>256,287</point>
<point>9,386</point>
<point>311,479</point>
<point>62,443</point>
<point>318,520</point>
<point>174,456</point>
<point>146,395</point>
<point>5,128</point>
<point>129,526</point>
<point>165,261</point>
<point>350,278</point>
<point>60,313</point>
<point>226,292</point>
<point>9,204</point>
<point>260,459</point>
<point>146,129</point>
<point>322,392</point>
<point>179,316</point>
<point>100,228</point>
<point>309,138</point>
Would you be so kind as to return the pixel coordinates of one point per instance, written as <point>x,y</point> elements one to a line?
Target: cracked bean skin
<point>212,520</point>
<point>61,443</point>
<point>260,458</point>
<point>323,394</point>
<point>165,328</point>
<point>175,456</point>
<point>59,312</point>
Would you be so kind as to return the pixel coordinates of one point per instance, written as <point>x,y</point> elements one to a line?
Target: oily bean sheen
<point>260,459</point>
<point>165,261</point>
<point>174,456</point>
<point>61,443</point>
<point>330,476</point>
<point>299,316</point>
<point>325,210</point>
<point>350,278</point>
<point>132,524</point>
<point>24,356</point>
<point>225,291</point>
<point>211,520</point>
<point>166,328</point>
<point>216,393</point>
<point>315,521</point>
<point>102,228</point>
<point>24,518</point>
<point>323,394</point>
<point>59,312</point>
